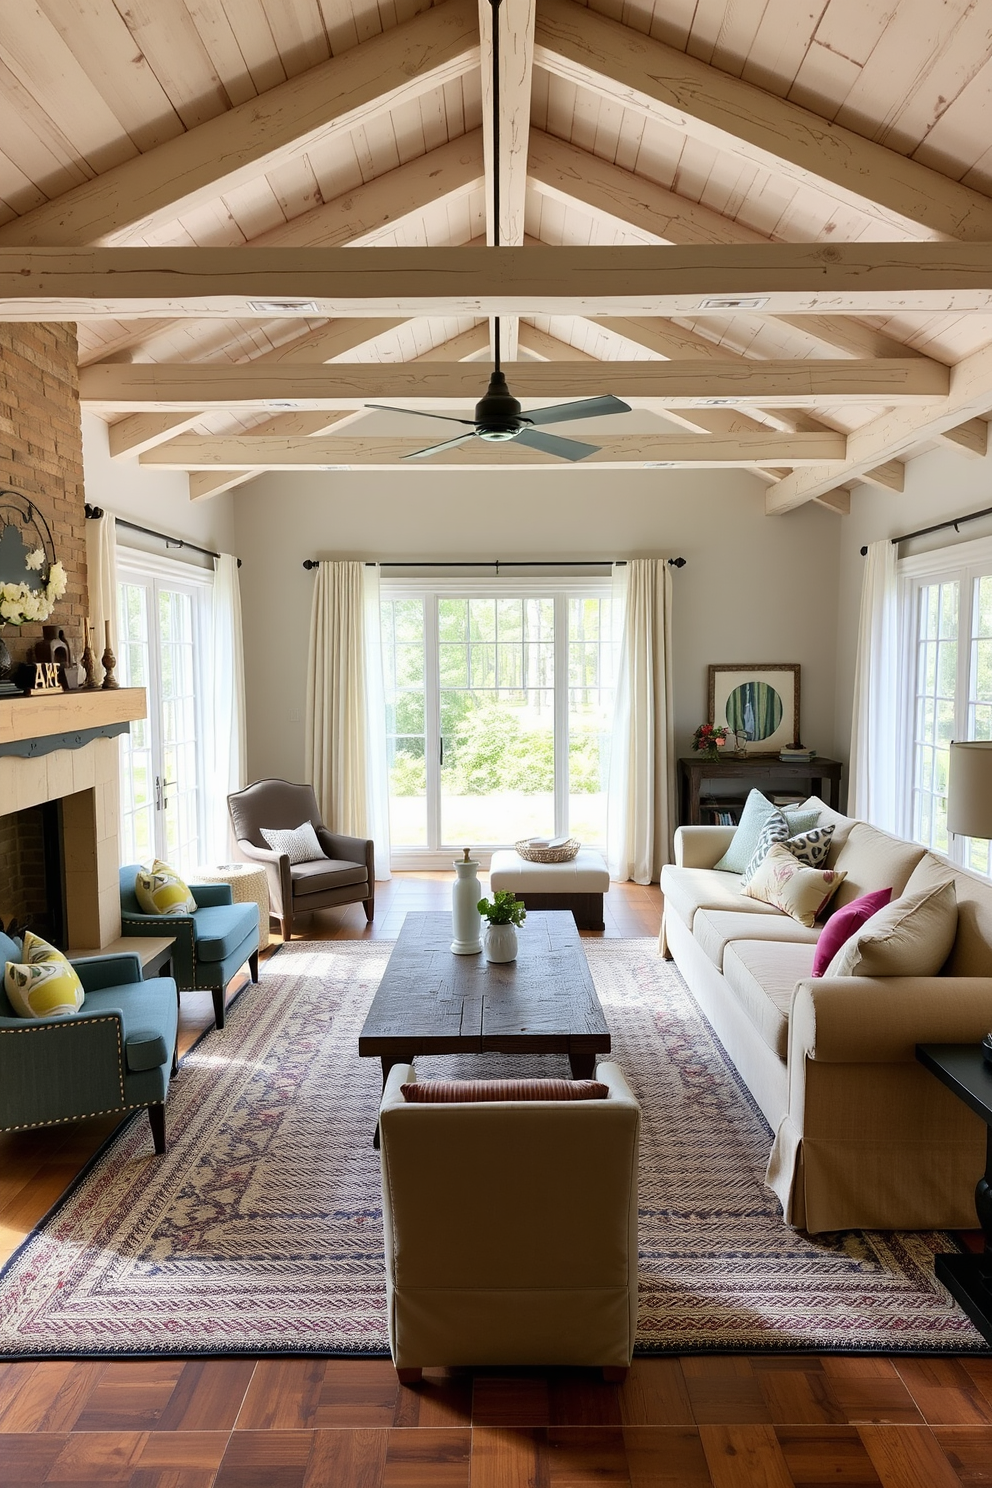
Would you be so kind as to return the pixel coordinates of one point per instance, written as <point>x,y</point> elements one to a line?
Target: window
<point>947,614</point>
<point>498,712</point>
<point>160,616</point>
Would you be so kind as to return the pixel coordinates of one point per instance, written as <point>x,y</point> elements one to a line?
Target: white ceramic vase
<point>501,943</point>
<point>466,921</point>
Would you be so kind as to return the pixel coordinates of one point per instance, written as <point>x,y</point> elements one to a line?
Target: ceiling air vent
<point>734,302</point>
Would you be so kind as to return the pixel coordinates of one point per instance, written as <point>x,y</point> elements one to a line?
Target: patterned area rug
<point>260,1230</point>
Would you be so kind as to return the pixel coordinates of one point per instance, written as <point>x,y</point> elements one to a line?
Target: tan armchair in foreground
<point>346,875</point>
<point>510,1229</point>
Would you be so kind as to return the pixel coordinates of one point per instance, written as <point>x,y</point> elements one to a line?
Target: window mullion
<point>561,714</point>
<point>432,721</point>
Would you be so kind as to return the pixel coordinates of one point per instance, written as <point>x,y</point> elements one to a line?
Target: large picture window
<point>947,615</point>
<point>498,712</point>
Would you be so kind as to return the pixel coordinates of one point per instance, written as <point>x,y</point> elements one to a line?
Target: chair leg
<point>156,1119</point>
<point>409,1376</point>
<point>217,993</point>
<point>253,965</point>
<point>615,1374</point>
<point>369,908</point>
<point>286,927</point>
<point>175,1056</point>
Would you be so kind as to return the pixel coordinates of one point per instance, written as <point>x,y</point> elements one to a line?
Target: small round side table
<point>248,886</point>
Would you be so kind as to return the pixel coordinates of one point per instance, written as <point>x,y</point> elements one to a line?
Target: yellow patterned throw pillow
<point>43,985</point>
<point>801,892</point>
<point>160,891</point>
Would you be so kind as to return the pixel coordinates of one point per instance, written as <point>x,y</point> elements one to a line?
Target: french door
<point>159,621</point>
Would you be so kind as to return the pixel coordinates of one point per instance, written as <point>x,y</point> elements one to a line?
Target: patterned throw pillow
<point>776,829</point>
<point>298,843</point>
<point>785,883</point>
<point>811,848</point>
<point>44,985</point>
<point>758,810</point>
<point>443,1092</point>
<point>160,891</point>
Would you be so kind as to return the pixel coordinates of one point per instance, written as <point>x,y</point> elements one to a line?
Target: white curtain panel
<point>641,794</point>
<point>344,720</point>
<point>101,583</point>
<point>227,734</point>
<point>873,787</point>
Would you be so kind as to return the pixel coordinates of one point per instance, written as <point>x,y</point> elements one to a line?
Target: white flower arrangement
<point>20,605</point>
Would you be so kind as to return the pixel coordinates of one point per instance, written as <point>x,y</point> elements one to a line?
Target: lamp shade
<point>969,789</point>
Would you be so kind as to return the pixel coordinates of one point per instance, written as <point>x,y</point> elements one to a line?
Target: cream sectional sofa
<point>864,1136</point>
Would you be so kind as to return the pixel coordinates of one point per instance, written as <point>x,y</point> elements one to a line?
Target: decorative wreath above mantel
<point>32,579</point>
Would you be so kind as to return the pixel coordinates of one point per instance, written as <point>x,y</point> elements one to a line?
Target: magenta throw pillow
<point>843,924</point>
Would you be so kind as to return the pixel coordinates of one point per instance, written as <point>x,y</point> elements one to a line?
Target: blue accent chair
<point>115,1055</point>
<point>211,945</point>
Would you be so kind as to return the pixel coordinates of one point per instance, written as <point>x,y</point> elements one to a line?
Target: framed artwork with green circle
<point>758,704</point>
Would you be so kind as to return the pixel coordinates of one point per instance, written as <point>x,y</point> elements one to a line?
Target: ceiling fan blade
<point>421,413</point>
<point>551,444</point>
<point>560,413</point>
<point>433,449</point>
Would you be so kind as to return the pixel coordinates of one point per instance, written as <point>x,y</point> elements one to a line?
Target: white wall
<point>754,588</point>
<point>941,484</point>
<point>153,498</point>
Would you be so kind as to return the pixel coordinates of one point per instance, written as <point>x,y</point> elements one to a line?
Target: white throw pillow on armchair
<point>298,843</point>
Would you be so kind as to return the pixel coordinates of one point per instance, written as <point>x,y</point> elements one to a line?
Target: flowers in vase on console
<point>709,740</point>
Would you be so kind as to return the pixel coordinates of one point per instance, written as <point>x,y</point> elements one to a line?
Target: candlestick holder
<point>89,661</point>
<point>109,662</point>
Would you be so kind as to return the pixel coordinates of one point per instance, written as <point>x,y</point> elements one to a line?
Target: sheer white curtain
<point>346,724</point>
<point>641,798</point>
<point>873,787</point>
<point>101,582</point>
<point>226,733</point>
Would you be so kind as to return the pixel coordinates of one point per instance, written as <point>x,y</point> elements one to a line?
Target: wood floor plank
<point>509,1400</point>
<point>28,1457</point>
<point>291,1394</point>
<point>665,1457</point>
<point>208,1395</point>
<point>426,1459</point>
<point>505,1457</point>
<point>49,1396</point>
<point>123,1399</point>
<point>584,1457</point>
<point>826,1457</point>
<point>945,1392</point>
<point>744,1457</point>
<point>655,1394</point>
<point>811,1395</point>
<point>908,1457</point>
<point>968,1449</point>
<point>98,1457</point>
<point>579,1397</point>
<point>442,1399</point>
<point>353,1458</point>
<point>724,1389</point>
<point>266,1459</point>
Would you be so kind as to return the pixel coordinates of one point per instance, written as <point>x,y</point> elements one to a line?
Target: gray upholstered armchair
<point>345,876</point>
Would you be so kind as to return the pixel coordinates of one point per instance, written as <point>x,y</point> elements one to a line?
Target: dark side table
<point>968,1277</point>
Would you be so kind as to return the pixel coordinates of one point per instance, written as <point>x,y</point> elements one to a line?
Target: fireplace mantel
<point>66,713</point>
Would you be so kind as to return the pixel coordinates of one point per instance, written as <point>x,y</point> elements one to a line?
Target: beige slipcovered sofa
<point>864,1136</point>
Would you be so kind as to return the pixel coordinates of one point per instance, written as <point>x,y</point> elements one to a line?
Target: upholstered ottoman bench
<point>578,885</point>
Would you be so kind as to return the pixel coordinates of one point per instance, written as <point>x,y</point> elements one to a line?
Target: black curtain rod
<point>93,512</point>
<point>309,563</point>
<point>954,522</point>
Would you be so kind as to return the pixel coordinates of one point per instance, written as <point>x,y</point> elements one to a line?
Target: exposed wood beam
<point>171,386</point>
<point>888,477</point>
<point>970,438</point>
<point>838,501</point>
<point>211,483</point>
<point>895,435</point>
<point>141,431</point>
<point>336,97</point>
<point>574,177</point>
<point>658,82</point>
<point>616,451</point>
<point>516,66</point>
<point>854,278</point>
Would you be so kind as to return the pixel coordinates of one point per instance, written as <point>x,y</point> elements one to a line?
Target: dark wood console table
<point>757,771</point>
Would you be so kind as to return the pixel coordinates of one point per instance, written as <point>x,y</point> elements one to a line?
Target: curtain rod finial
<point>309,563</point>
<point>864,551</point>
<point>676,563</point>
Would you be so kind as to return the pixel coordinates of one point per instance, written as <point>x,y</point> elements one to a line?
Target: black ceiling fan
<point>498,415</point>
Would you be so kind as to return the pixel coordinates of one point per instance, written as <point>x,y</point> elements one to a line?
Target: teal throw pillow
<point>758,811</point>
<point>801,821</point>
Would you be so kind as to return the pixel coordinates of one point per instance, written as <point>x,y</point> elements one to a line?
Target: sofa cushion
<point>220,928</point>
<point>872,859</point>
<point>758,812</point>
<point>970,955</point>
<point>762,975</point>
<point>827,816</point>
<point>328,873</point>
<point>687,889</point>
<point>802,892</point>
<point>910,937</point>
<point>846,922</point>
<point>714,929</point>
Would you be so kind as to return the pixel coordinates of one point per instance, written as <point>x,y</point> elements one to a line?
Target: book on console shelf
<point>799,756</point>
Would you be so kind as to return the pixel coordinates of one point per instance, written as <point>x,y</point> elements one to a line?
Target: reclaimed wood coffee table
<point>431,1001</point>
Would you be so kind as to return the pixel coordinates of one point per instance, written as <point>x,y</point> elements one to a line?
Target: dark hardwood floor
<point>755,1421</point>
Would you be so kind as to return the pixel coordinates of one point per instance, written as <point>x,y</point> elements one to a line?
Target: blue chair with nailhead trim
<point>211,946</point>
<point>114,1056</point>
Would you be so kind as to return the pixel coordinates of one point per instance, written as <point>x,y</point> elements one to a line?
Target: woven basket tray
<point>563,854</point>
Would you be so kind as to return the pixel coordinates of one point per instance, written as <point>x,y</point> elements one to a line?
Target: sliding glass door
<point>159,618</point>
<point>498,711</point>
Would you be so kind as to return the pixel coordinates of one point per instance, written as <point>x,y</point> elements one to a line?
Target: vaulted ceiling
<point>771,218</point>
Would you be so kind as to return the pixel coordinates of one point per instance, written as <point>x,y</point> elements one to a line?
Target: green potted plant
<point>503,912</point>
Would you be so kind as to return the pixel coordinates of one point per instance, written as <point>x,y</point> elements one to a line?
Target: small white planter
<point>501,943</point>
